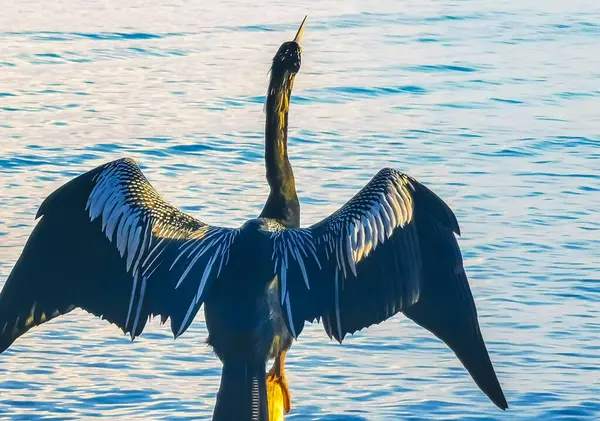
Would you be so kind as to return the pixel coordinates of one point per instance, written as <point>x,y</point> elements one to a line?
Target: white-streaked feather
<point>380,225</point>
<point>139,307</point>
<point>135,278</point>
<point>283,278</point>
<point>340,255</point>
<point>143,246</point>
<point>393,201</point>
<point>353,236</point>
<point>288,307</point>
<point>404,201</point>
<point>134,245</point>
<point>296,253</point>
<point>368,231</point>
<point>338,319</point>
<point>389,216</point>
<point>360,247</point>
<point>206,273</point>
<point>350,255</point>
<point>188,314</point>
<point>120,240</point>
<point>113,220</point>
<point>153,252</point>
<point>374,229</point>
<point>110,205</point>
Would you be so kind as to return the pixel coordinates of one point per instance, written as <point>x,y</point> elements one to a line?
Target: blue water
<point>493,104</point>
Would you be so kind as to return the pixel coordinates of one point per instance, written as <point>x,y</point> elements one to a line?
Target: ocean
<point>492,104</point>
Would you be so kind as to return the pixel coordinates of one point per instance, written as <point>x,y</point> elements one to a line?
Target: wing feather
<point>107,242</point>
<point>396,237</point>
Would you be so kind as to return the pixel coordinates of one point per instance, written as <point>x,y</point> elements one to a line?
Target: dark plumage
<point>108,243</point>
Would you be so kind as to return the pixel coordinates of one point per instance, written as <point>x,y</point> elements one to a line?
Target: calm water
<point>494,104</point>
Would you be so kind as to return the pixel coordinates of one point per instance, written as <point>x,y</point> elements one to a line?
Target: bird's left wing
<point>108,243</point>
<point>359,266</point>
<point>391,248</point>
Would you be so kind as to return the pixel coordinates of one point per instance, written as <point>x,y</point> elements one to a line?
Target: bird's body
<point>107,242</point>
<point>239,314</point>
<point>244,323</point>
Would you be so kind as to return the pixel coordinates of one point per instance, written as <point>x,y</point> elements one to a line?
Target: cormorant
<point>108,243</point>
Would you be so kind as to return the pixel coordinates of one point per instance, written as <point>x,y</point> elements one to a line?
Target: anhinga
<point>108,243</point>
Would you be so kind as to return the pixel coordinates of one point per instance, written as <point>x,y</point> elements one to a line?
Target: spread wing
<point>390,249</point>
<point>108,243</point>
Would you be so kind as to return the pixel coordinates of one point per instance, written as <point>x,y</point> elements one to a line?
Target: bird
<point>108,243</point>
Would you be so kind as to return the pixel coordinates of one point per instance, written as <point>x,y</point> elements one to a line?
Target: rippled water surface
<point>493,104</point>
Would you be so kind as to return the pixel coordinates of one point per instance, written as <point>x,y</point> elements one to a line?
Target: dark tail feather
<point>242,395</point>
<point>446,308</point>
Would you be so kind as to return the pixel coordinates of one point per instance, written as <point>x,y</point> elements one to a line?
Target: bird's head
<point>288,58</point>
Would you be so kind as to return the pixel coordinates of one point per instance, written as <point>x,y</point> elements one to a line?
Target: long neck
<point>282,203</point>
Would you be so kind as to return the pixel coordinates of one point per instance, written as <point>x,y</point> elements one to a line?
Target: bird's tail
<point>242,395</point>
<point>446,308</point>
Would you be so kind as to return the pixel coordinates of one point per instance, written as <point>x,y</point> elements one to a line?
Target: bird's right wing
<point>390,249</point>
<point>108,243</point>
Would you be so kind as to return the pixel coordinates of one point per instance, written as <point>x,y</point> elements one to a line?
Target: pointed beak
<point>298,37</point>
